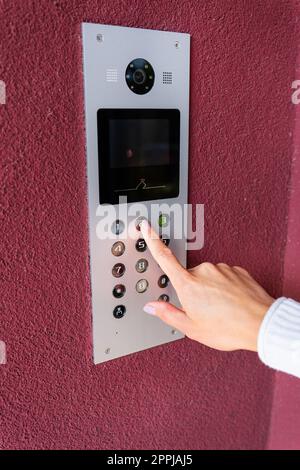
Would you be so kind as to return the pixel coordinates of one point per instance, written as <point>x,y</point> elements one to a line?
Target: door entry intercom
<point>136,86</point>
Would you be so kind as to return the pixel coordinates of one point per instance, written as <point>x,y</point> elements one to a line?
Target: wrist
<point>256,316</point>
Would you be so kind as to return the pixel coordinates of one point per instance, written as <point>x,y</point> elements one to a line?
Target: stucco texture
<point>181,395</point>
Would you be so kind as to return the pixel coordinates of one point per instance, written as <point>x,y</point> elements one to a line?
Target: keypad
<point>119,291</point>
<point>118,248</point>
<point>141,265</point>
<point>118,270</point>
<point>119,311</point>
<point>163,281</point>
<point>141,245</point>
<point>137,265</point>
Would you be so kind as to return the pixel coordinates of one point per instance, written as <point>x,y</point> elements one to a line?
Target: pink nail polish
<point>149,309</point>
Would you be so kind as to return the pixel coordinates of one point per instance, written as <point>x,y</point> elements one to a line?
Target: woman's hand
<point>222,306</point>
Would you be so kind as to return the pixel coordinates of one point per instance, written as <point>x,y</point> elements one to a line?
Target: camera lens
<point>139,76</point>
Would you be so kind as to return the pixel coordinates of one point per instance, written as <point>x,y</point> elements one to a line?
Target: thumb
<point>169,314</point>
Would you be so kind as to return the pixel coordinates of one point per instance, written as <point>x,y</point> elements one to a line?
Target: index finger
<point>163,255</point>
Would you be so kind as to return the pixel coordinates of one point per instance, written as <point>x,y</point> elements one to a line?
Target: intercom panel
<point>136,88</point>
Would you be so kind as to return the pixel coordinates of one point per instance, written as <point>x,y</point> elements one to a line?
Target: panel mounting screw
<point>173,332</point>
<point>100,37</point>
<point>177,44</point>
<point>107,351</point>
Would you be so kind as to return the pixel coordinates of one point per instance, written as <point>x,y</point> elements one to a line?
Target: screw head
<point>107,351</point>
<point>100,37</point>
<point>173,332</point>
<point>177,44</point>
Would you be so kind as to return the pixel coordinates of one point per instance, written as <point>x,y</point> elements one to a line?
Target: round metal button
<point>119,311</point>
<point>119,291</point>
<point>138,222</point>
<point>164,298</point>
<point>141,285</point>
<point>163,220</point>
<point>165,239</point>
<point>117,227</point>
<point>163,281</point>
<point>141,265</point>
<point>141,245</point>
<point>118,270</point>
<point>118,248</point>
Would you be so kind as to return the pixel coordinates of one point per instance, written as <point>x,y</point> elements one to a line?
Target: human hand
<point>222,306</point>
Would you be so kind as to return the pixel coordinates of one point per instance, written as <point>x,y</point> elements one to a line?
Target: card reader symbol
<point>141,185</point>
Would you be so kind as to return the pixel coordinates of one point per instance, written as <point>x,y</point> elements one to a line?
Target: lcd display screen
<point>138,151</point>
<point>139,142</point>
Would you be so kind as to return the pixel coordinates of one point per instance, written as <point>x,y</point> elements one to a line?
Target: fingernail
<point>149,309</point>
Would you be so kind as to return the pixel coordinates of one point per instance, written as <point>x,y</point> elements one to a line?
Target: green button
<point>163,220</point>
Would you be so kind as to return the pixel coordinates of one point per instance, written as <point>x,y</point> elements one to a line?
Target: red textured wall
<point>177,396</point>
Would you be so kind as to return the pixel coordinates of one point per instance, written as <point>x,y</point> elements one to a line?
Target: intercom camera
<point>136,87</point>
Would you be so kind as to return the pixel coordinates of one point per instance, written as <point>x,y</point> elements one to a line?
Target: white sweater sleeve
<point>279,336</point>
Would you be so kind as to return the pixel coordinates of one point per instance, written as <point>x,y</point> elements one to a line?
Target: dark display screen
<point>138,153</point>
<point>139,142</point>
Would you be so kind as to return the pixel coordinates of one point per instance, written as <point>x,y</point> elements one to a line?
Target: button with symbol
<point>118,248</point>
<point>119,311</point>
<point>119,291</point>
<point>141,245</point>
<point>118,270</point>
<point>163,220</point>
<point>117,227</point>
<point>163,281</point>
<point>141,285</point>
<point>165,239</point>
<point>138,222</point>
<point>164,298</point>
<point>141,265</point>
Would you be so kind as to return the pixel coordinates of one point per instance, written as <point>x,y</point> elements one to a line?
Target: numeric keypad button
<point>141,245</point>
<point>164,298</point>
<point>119,291</point>
<point>163,220</point>
<point>141,265</point>
<point>163,281</point>
<point>142,285</point>
<point>118,270</point>
<point>117,227</point>
<point>165,239</point>
<point>119,311</point>
<point>138,222</point>
<point>118,248</point>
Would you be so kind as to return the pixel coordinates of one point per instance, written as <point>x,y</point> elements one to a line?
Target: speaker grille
<point>111,75</point>
<point>167,78</point>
